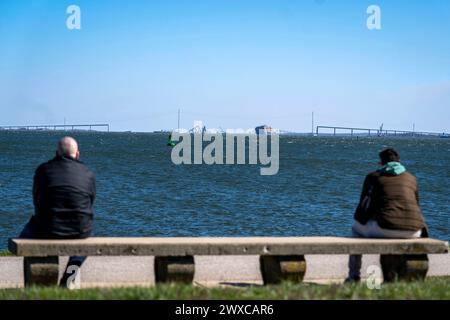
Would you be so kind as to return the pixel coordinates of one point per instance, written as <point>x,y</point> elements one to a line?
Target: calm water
<point>141,193</point>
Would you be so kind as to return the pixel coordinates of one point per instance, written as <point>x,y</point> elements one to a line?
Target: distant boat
<point>444,136</point>
<point>170,142</point>
<point>265,129</point>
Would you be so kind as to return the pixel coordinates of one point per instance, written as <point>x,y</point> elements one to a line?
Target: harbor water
<point>140,192</point>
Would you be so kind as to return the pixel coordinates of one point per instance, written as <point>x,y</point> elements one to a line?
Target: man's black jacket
<point>63,196</point>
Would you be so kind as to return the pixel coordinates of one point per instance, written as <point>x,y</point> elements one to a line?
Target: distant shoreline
<point>285,134</point>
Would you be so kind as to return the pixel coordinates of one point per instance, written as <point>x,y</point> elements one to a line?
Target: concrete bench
<point>281,258</point>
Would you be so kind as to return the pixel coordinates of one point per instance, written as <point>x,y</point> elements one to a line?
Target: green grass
<point>5,253</point>
<point>433,288</point>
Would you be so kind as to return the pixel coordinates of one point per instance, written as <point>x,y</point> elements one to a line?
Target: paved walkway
<point>210,270</point>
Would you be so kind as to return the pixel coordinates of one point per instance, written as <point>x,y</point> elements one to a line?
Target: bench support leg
<point>404,267</point>
<point>275,269</point>
<point>41,271</point>
<point>174,269</point>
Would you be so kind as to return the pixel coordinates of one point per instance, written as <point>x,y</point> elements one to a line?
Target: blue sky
<point>230,63</point>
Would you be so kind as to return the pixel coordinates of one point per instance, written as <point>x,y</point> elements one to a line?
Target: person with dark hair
<point>389,155</point>
<point>388,207</point>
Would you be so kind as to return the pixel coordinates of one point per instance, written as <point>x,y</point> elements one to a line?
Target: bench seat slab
<point>223,246</point>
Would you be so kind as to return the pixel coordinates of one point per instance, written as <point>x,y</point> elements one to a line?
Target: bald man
<point>63,196</point>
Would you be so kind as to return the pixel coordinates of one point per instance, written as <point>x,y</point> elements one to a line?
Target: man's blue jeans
<point>29,232</point>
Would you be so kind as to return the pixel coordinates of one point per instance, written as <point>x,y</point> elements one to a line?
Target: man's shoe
<point>352,280</point>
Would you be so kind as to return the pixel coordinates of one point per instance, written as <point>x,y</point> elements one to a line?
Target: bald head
<point>68,147</point>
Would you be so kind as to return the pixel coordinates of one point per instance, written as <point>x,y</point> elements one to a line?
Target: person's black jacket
<point>63,196</point>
